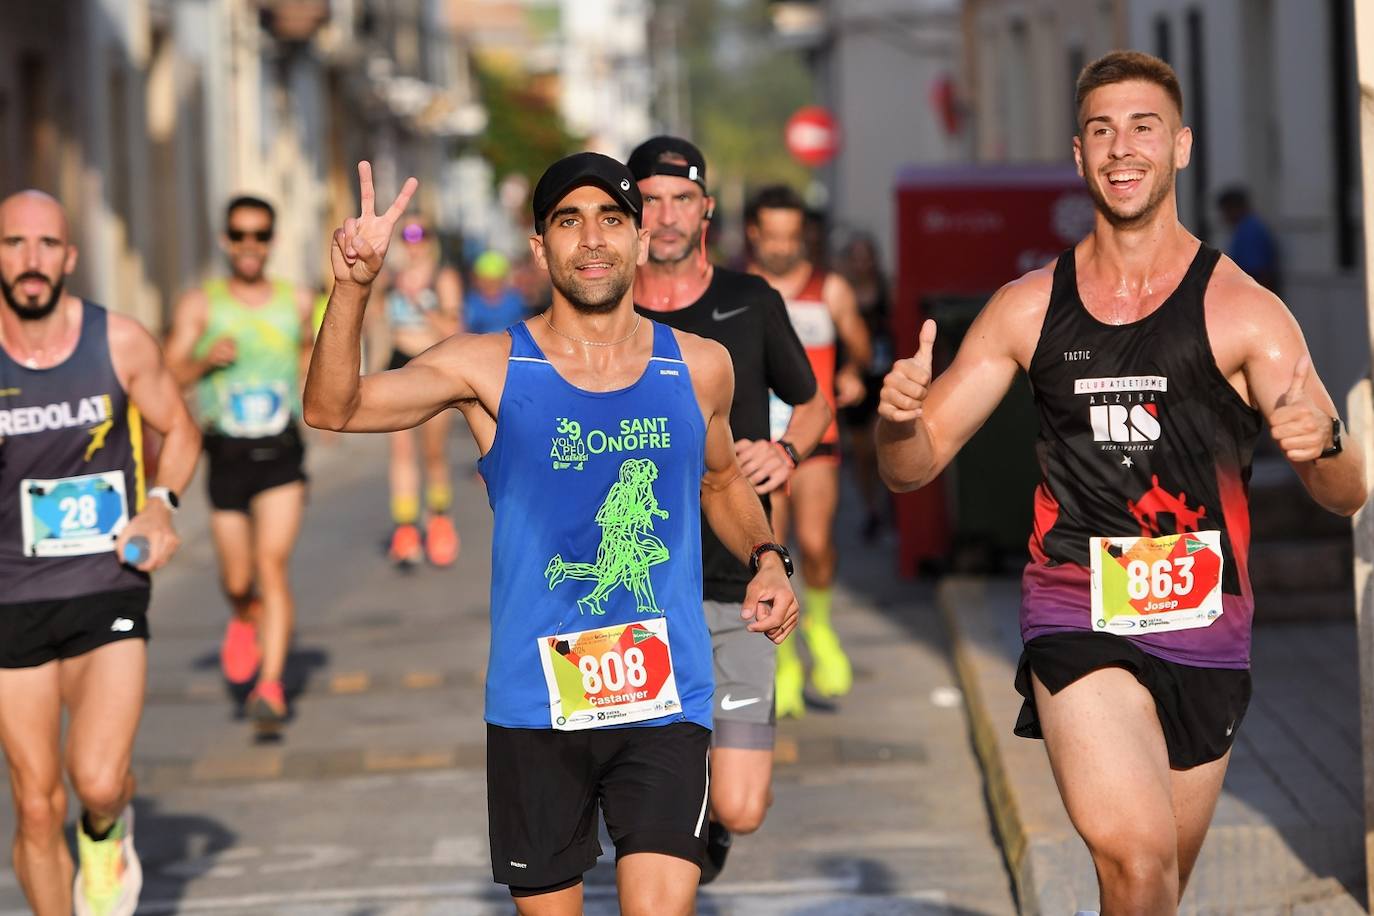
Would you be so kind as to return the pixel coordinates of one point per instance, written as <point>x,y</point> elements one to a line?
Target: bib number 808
<point>1161,579</point>
<point>612,671</point>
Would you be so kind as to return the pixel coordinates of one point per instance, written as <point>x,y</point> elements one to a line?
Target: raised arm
<point>923,424</point>
<point>728,501</point>
<point>336,397</point>
<point>1285,387</point>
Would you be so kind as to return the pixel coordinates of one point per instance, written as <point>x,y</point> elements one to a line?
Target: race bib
<point>72,516</point>
<point>255,411</point>
<point>1147,585</point>
<point>612,675</point>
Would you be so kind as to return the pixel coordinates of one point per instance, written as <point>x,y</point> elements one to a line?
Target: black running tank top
<point>72,440</point>
<point>1140,435</point>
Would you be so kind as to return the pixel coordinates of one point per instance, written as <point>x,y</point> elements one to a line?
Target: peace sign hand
<point>360,246</point>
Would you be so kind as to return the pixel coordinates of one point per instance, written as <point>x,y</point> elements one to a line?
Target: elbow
<point>317,416</point>
<point>897,483</point>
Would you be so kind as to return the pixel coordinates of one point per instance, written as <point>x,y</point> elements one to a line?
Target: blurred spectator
<point>858,263</point>
<point>492,303</point>
<point>1252,245</point>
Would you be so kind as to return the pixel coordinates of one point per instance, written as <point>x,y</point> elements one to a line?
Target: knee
<point>271,571</point>
<point>740,814</point>
<point>1135,865</point>
<point>100,789</point>
<point>742,820</point>
<point>40,813</point>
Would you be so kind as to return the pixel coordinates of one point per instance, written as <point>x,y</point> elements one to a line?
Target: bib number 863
<point>612,671</point>
<point>1161,579</point>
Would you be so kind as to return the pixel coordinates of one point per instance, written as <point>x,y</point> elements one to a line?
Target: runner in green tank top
<point>242,341</point>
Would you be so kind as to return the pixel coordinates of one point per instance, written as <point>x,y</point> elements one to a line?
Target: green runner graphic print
<point>627,548</point>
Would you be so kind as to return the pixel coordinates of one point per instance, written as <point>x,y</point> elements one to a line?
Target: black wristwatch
<point>791,451</point>
<point>763,548</point>
<point>1335,448</point>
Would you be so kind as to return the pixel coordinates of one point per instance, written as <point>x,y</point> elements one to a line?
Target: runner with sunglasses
<point>243,341</point>
<point>423,301</point>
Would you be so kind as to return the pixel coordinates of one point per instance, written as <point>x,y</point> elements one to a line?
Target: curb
<point>1258,857</point>
<point>1049,865</point>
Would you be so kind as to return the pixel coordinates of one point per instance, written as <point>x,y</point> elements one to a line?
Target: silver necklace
<point>592,343</point>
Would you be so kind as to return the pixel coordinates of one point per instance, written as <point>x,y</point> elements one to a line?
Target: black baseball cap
<point>573,171</point>
<point>647,159</point>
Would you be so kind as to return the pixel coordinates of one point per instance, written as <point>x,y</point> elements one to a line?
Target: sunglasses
<point>413,233</point>
<point>259,235</point>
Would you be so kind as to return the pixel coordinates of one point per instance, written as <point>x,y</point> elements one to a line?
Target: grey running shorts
<point>745,662</point>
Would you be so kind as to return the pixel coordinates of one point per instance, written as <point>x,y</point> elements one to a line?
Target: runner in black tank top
<point>77,385</point>
<point>1153,362</point>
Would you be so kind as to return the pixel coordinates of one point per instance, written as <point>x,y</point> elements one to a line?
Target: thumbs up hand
<point>1298,425</point>
<point>906,386</point>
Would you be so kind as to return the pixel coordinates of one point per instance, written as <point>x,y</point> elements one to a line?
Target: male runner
<point>681,288</point>
<point>76,385</point>
<point>1154,362</point>
<point>825,312</point>
<point>613,437</point>
<point>423,306</point>
<point>242,341</point>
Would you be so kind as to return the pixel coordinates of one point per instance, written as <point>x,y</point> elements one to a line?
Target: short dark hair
<point>248,201</point>
<point>1124,67</point>
<point>1234,197</point>
<point>773,197</point>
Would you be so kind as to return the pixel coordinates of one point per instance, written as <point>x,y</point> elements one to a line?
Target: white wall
<point>1269,125</point>
<point>880,77</point>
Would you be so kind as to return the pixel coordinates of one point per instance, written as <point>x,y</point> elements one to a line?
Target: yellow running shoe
<point>789,682</point>
<point>831,673</point>
<point>108,874</point>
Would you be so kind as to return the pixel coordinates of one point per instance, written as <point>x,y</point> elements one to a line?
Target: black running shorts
<point>34,633</point>
<point>543,787</point>
<point>242,468</point>
<point>1199,709</point>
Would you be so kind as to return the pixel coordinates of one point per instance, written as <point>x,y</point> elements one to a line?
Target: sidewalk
<point>1288,833</point>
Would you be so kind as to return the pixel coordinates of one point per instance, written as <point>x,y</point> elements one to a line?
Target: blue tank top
<point>597,505</point>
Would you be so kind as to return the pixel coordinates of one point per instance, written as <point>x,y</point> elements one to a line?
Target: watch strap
<point>1336,446</point>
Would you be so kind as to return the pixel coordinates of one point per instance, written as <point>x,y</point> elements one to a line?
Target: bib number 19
<point>613,670</point>
<point>1160,579</point>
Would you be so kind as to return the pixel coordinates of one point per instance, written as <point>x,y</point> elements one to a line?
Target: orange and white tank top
<point>815,327</point>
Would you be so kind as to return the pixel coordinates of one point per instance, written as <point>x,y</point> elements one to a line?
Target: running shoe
<point>239,655</point>
<point>441,540</point>
<point>831,673</point>
<point>108,874</point>
<point>406,549</point>
<point>788,685</point>
<point>718,841</point>
<point>267,707</point>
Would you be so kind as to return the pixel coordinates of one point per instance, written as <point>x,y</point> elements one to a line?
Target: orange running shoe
<point>239,654</point>
<point>406,549</point>
<point>441,540</point>
<point>267,707</point>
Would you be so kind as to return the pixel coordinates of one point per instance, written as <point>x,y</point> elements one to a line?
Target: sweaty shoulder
<point>1244,318</point>
<point>132,348</point>
<point>1015,314</point>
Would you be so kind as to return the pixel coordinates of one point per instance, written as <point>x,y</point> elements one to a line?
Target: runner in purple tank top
<point>1155,363</point>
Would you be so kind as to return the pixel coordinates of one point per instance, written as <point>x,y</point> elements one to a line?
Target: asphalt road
<point>374,800</point>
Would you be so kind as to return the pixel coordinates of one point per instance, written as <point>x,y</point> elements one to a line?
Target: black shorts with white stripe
<point>543,787</point>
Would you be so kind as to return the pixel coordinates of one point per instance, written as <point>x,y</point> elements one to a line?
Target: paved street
<point>374,802</point>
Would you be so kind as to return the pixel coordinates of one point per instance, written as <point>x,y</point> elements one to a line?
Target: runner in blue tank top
<point>1154,361</point>
<point>77,384</point>
<point>613,442</point>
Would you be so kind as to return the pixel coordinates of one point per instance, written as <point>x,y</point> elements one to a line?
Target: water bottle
<point>137,550</point>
